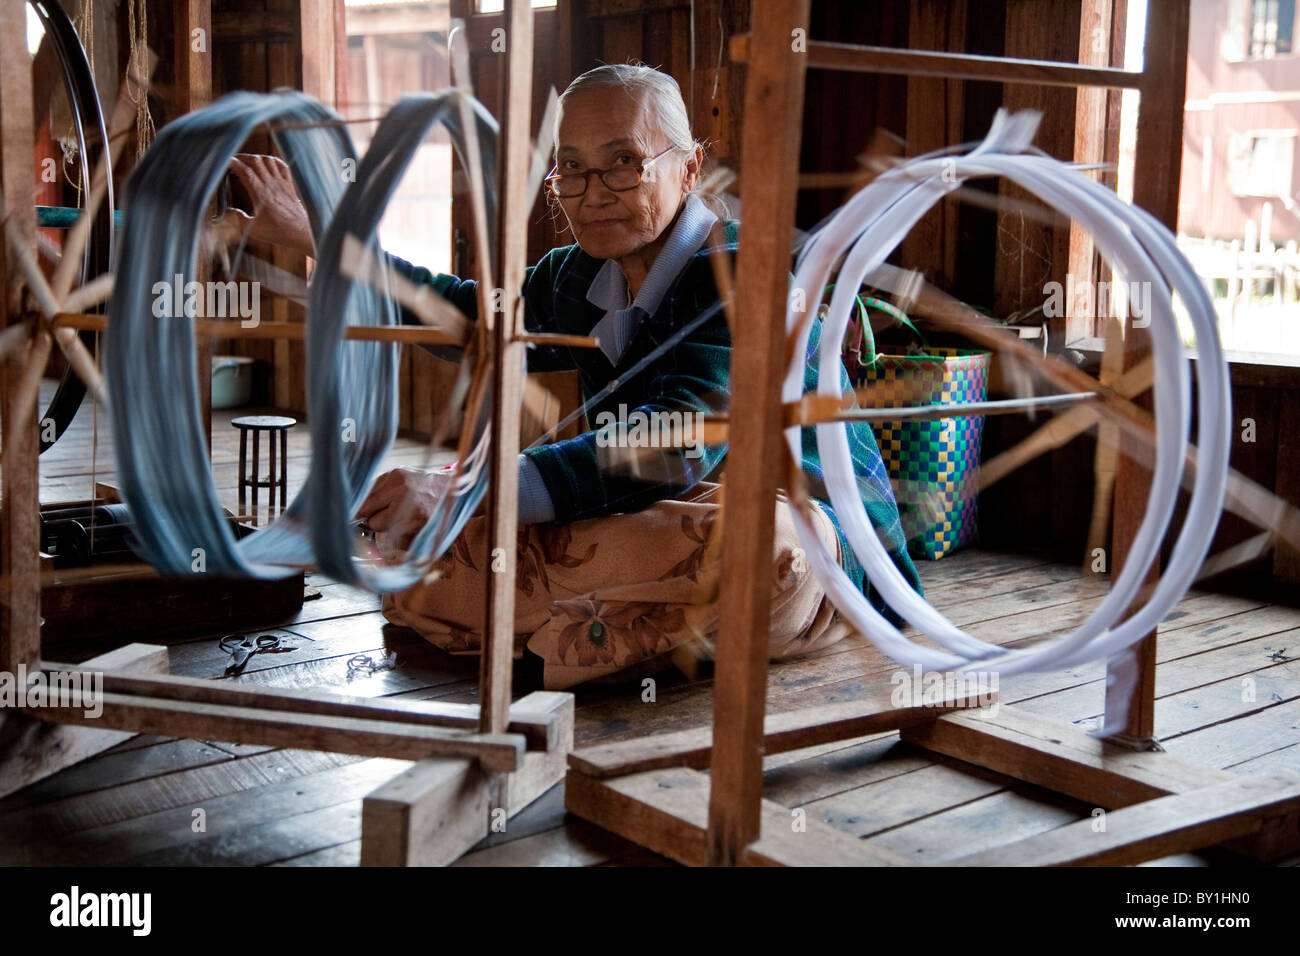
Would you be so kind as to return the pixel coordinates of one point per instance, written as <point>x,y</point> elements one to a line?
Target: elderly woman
<point>612,541</point>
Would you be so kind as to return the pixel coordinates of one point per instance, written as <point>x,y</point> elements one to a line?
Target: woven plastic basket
<point>933,465</point>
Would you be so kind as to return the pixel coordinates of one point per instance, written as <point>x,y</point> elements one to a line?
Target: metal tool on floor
<point>364,664</point>
<point>241,647</point>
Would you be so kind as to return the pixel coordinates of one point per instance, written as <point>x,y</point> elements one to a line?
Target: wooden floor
<point>1228,689</point>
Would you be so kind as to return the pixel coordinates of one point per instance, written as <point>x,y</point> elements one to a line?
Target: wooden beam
<point>284,67</point>
<point>856,58</point>
<point>792,730</point>
<point>429,815</point>
<point>316,29</point>
<point>31,750</point>
<point>297,332</point>
<point>341,54</point>
<point>193,87</point>
<point>541,771</point>
<point>665,811</point>
<point>20,590</point>
<point>770,142</point>
<point>508,367</point>
<point>1157,167</point>
<point>292,331</point>
<point>255,725</point>
<point>1175,824</point>
<point>541,731</point>
<point>434,812</point>
<point>1061,757</point>
<point>1158,152</point>
<point>1090,135</point>
<point>192,91</point>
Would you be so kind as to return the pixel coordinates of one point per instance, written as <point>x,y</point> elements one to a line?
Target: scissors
<point>241,647</point>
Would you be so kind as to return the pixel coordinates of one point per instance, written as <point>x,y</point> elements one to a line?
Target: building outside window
<point>1239,212</point>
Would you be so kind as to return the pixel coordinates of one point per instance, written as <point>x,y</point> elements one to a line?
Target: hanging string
<point>83,24</point>
<point>137,13</point>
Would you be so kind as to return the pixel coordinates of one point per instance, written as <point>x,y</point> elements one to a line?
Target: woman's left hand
<point>402,500</point>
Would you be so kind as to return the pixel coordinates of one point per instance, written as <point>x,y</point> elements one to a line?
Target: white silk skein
<point>863,233</point>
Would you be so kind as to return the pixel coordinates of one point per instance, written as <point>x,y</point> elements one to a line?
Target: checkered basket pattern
<point>933,465</point>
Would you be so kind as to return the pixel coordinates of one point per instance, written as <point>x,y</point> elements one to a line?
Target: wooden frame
<point>646,789</point>
<point>504,754</point>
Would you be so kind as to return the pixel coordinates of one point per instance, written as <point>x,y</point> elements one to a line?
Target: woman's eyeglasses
<point>619,179</point>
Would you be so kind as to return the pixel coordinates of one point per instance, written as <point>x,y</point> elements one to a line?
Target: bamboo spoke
<point>82,362</point>
<point>1238,554</point>
<point>93,293</point>
<point>12,339</point>
<point>358,261</point>
<point>1106,458</point>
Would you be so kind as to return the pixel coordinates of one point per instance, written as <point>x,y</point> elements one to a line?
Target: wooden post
<point>770,145</point>
<point>508,367</point>
<point>20,590</point>
<point>340,55</point>
<point>1157,167</point>
<point>316,30</point>
<point>193,91</point>
<point>193,68</point>
<point>439,808</point>
<point>1090,135</point>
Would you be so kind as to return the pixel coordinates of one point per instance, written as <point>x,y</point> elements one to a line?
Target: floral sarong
<point>609,594</point>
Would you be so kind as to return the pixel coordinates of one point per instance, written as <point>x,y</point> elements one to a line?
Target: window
<point>394,48</point>
<point>1261,163</point>
<point>1259,29</point>
<point>1241,229</point>
<point>1271,23</point>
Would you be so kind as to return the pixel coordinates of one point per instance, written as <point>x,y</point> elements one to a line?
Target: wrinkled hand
<point>279,217</point>
<point>402,501</point>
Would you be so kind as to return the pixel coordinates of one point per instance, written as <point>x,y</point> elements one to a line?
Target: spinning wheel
<point>87,250</point>
<point>60,41</point>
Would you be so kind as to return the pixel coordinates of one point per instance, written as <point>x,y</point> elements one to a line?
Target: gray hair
<point>663,97</point>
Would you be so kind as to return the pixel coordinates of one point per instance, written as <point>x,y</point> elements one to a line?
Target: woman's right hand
<point>279,217</point>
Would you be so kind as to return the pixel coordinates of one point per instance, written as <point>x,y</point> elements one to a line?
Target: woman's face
<point>603,129</point>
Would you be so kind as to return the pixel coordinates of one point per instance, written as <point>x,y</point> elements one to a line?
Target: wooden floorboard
<point>1228,695</point>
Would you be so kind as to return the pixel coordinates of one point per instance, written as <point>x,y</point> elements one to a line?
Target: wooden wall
<point>673,36</point>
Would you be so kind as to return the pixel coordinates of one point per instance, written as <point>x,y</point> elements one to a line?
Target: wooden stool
<point>271,424</point>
